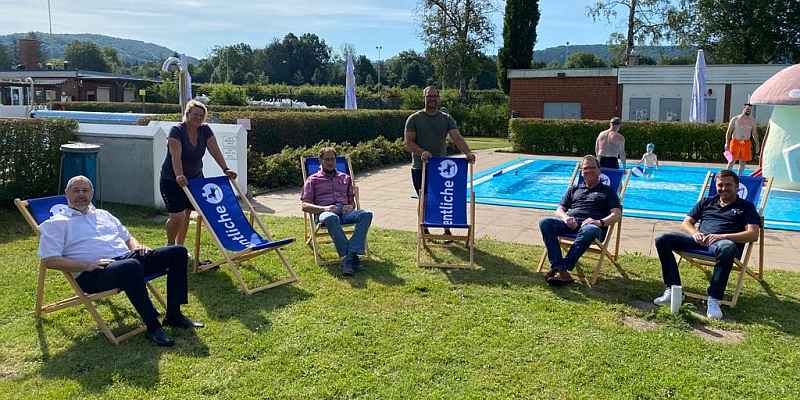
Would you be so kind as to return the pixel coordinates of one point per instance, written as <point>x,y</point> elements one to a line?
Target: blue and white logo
<point>605,180</point>
<point>212,193</point>
<point>448,169</point>
<point>742,191</point>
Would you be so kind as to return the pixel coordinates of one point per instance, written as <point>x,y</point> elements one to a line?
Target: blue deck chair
<point>314,231</point>
<point>617,179</point>
<point>755,190</point>
<point>215,202</point>
<point>443,204</point>
<point>41,210</point>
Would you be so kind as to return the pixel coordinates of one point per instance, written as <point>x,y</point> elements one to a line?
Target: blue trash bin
<point>80,159</point>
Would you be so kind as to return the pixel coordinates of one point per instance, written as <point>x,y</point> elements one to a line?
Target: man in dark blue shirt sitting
<point>586,210</point>
<point>726,223</point>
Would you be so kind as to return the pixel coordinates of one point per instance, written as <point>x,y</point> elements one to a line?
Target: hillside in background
<point>130,51</point>
<point>559,53</point>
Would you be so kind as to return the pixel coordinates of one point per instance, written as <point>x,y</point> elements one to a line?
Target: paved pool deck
<point>387,192</point>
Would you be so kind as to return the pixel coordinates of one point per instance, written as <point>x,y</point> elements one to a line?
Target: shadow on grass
<point>503,272</point>
<point>96,363</point>
<point>223,299</point>
<point>756,306</point>
<point>375,270</point>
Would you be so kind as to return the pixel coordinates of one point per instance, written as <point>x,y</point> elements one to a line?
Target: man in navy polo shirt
<point>587,210</point>
<point>726,223</point>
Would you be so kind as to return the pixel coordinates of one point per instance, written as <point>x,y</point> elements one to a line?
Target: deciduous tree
<point>459,30</point>
<point>741,31</point>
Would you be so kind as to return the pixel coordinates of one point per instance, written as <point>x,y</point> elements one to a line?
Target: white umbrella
<point>697,110</point>
<point>350,86</point>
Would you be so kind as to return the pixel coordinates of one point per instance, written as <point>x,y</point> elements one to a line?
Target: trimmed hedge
<point>283,169</point>
<point>271,132</point>
<point>30,156</point>
<point>673,140</point>
<point>487,120</point>
<point>159,108</point>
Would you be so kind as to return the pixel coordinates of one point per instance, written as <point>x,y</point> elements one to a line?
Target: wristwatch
<point>602,223</point>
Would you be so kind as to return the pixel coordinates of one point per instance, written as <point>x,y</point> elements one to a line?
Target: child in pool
<point>650,161</point>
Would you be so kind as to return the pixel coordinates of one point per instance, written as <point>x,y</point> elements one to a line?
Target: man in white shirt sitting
<point>94,246</point>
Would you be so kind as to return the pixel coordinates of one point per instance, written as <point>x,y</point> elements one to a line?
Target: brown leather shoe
<point>560,278</point>
<point>549,274</point>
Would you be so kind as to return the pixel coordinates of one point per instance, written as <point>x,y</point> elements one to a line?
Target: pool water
<point>669,194</point>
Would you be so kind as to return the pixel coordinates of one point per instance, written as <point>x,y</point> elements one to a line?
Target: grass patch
<point>482,143</point>
<point>397,331</point>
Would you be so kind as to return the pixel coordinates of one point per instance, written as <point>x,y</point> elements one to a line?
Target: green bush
<point>271,132</point>
<point>30,157</point>
<point>488,120</point>
<point>673,140</point>
<point>282,169</point>
<point>229,95</point>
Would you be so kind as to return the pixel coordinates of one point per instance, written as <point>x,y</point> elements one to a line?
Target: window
<point>669,110</point>
<point>639,109</point>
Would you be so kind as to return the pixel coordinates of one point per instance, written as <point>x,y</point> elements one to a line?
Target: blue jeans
<point>332,221</point>
<point>724,253</point>
<point>552,227</point>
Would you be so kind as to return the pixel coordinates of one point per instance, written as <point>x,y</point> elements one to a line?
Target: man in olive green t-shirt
<point>426,135</point>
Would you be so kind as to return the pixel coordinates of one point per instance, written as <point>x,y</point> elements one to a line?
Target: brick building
<point>644,92</point>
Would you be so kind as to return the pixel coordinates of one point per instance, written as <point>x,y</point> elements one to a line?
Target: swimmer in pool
<point>650,161</point>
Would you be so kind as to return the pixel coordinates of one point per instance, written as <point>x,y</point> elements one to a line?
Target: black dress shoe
<point>182,322</point>
<point>160,337</point>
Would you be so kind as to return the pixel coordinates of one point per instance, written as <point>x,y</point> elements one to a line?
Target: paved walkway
<point>387,193</point>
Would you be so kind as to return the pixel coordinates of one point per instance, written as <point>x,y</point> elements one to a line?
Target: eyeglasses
<point>329,159</point>
<point>588,168</point>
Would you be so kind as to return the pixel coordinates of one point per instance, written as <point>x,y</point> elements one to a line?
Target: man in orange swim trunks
<point>737,138</point>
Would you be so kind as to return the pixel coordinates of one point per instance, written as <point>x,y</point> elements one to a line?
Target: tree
<point>317,78</point>
<point>413,75</point>
<point>459,30</point>
<point>538,65</point>
<point>584,60</point>
<point>487,75</point>
<point>362,68</point>
<point>396,65</point>
<point>647,19</point>
<point>739,31</point>
<point>519,36</point>
<point>677,60</point>
<point>281,59</point>
<point>83,54</point>
<point>646,60</point>
<point>5,58</point>
<point>112,57</point>
<point>554,65</point>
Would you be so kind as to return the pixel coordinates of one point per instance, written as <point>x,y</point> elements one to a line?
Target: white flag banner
<point>350,86</point>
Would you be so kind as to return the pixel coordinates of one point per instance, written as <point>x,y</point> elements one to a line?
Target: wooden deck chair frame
<point>739,264</point>
<point>244,255</point>
<point>80,297</point>
<point>423,238</point>
<point>316,233</point>
<point>602,249</point>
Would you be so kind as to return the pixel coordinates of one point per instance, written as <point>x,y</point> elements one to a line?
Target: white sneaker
<point>666,298</point>
<point>713,312</point>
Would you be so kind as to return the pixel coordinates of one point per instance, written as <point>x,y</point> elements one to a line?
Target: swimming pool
<point>669,194</point>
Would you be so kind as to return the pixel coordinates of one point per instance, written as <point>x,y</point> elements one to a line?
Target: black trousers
<point>609,162</point>
<point>128,271</point>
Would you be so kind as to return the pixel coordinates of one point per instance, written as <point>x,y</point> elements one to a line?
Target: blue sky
<point>195,26</point>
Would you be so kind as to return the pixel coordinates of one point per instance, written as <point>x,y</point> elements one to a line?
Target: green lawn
<point>397,331</point>
<point>482,143</point>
